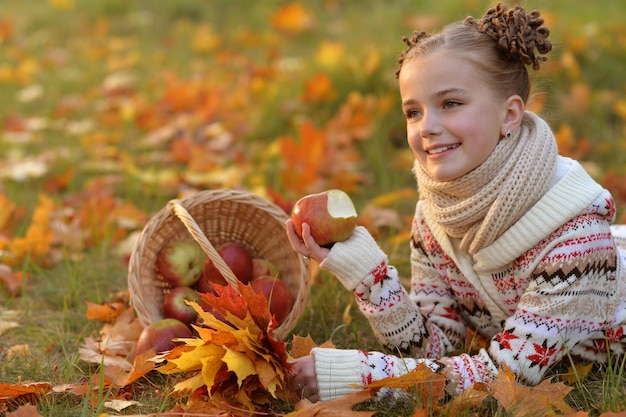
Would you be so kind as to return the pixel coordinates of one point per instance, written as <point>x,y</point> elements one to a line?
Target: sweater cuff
<point>338,372</point>
<point>352,260</point>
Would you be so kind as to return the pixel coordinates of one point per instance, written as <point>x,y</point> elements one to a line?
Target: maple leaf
<point>12,280</point>
<point>422,381</point>
<point>301,346</point>
<point>473,397</point>
<point>292,18</point>
<point>234,355</point>
<point>103,312</point>
<point>342,406</point>
<point>35,244</point>
<point>9,392</point>
<point>317,89</point>
<point>303,158</point>
<point>26,410</point>
<point>548,398</point>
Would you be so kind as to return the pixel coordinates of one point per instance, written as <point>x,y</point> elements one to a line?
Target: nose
<point>428,125</point>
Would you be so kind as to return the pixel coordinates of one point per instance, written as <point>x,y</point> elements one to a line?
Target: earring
<point>508,134</point>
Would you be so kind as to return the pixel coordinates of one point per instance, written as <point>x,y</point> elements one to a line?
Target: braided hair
<point>501,44</point>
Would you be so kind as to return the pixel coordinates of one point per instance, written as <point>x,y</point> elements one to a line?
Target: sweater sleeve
<point>400,324</point>
<point>342,372</point>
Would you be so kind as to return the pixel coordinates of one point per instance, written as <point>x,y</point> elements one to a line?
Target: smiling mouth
<point>442,149</point>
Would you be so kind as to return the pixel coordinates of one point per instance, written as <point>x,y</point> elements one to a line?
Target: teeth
<point>439,150</point>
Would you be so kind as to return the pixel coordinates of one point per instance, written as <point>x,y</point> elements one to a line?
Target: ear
<point>514,111</point>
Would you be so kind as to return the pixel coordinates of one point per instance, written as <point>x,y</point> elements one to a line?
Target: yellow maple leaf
<point>190,384</point>
<point>267,376</point>
<point>239,363</point>
<point>36,242</point>
<point>192,360</point>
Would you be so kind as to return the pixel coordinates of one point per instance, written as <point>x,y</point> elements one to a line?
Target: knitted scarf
<point>481,205</point>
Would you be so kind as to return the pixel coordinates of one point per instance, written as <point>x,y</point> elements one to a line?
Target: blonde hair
<point>501,44</point>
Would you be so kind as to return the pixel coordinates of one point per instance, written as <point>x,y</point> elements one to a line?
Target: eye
<point>412,114</point>
<point>451,104</point>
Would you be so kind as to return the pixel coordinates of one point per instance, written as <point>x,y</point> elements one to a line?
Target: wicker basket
<point>212,218</point>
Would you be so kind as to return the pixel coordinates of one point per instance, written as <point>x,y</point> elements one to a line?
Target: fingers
<point>296,243</point>
<point>307,390</point>
<point>303,379</point>
<point>305,246</point>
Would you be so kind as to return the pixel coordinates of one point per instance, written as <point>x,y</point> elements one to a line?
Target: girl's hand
<point>306,246</point>
<point>303,379</point>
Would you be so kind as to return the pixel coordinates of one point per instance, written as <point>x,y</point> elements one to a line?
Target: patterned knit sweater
<point>553,285</point>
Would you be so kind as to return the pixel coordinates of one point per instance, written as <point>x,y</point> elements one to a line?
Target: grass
<point>71,53</point>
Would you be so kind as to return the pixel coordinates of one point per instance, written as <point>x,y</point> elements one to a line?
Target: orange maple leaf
<point>427,385</point>
<point>301,346</point>
<point>318,89</point>
<point>513,397</point>
<point>10,392</point>
<point>26,410</point>
<point>292,18</point>
<point>303,159</point>
<point>342,406</point>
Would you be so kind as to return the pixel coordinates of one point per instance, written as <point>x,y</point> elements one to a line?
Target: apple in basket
<point>180,262</point>
<point>261,266</point>
<point>159,335</point>
<point>330,214</point>
<point>277,293</point>
<point>239,260</point>
<point>175,307</point>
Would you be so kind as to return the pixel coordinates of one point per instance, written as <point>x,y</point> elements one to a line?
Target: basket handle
<point>181,212</point>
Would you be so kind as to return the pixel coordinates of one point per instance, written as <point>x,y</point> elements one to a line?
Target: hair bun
<point>519,35</point>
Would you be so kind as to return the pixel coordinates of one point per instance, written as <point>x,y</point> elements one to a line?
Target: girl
<point>508,238</point>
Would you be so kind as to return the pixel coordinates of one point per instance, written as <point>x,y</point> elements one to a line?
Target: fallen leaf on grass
<point>115,343</point>
<point>342,406</point>
<point>7,319</point>
<point>473,397</point>
<point>292,18</point>
<point>119,405</point>
<point>26,410</point>
<point>546,397</point>
<point>15,392</point>
<point>421,381</point>
<point>18,351</point>
<point>13,281</point>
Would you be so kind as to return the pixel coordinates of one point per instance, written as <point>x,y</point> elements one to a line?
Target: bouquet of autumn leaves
<point>234,359</point>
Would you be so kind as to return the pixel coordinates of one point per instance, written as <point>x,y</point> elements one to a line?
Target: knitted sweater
<point>552,285</point>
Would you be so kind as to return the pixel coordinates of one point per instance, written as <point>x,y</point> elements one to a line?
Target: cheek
<point>413,138</point>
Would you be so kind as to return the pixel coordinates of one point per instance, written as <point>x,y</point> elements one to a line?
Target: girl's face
<point>454,121</point>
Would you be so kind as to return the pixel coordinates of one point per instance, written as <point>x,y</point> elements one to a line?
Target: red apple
<point>237,257</point>
<point>261,266</point>
<point>277,293</point>
<point>175,307</point>
<point>159,335</point>
<point>330,214</point>
<point>180,262</point>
